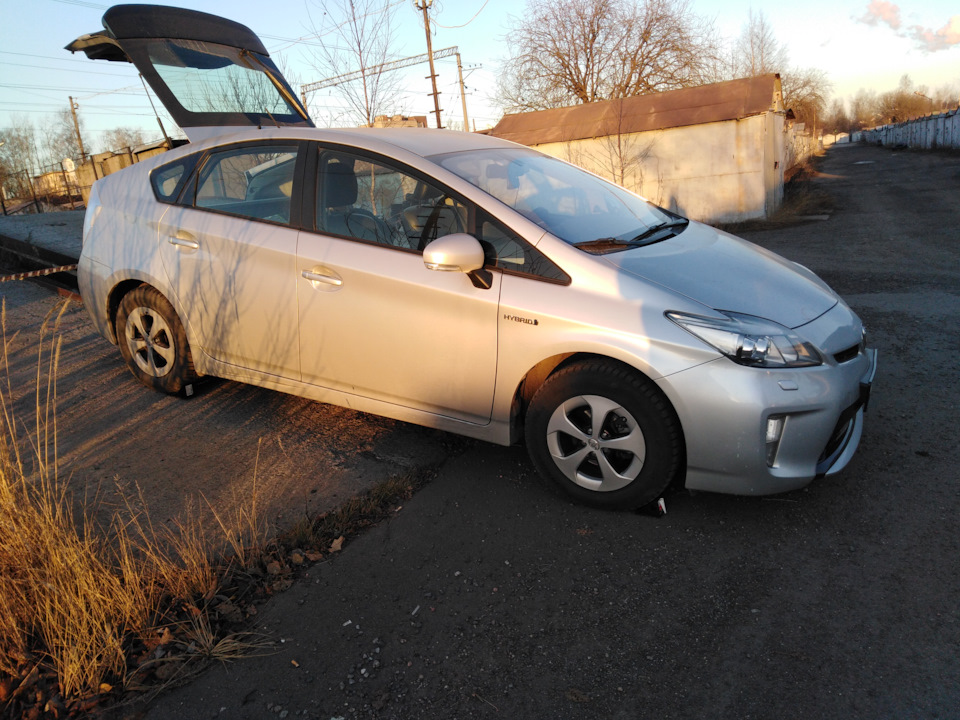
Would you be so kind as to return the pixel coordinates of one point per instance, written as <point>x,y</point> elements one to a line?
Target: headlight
<point>750,340</point>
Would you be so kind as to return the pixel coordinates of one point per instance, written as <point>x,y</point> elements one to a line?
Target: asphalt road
<point>490,595</point>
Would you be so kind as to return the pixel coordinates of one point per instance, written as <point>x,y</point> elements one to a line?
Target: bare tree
<point>18,157</point>
<point>836,119</point>
<point>60,137</point>
<point>568,52</point>
<point>805,91</point>
<point>863,109</point>
<point>357,35</point>
<point>757,51</point>
<point>119,138</point>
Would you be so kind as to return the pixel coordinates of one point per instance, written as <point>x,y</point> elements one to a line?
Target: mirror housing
<point>458,252</point>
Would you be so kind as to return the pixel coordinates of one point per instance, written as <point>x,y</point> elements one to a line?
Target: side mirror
<point>458,252</point>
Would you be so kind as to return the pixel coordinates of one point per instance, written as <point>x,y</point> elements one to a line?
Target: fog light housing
<point>775,424</point>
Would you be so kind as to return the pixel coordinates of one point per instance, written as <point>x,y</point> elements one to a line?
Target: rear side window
<point>168,180</point>
<point>251,181</point>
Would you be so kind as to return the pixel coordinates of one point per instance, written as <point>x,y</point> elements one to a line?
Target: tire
<point>153,342</point>
<point>624,460</point>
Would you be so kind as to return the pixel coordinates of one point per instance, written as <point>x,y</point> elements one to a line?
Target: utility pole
<point>3,181</point>
<point>76,127</point>
<point>463,95</point>
<point>423,5</point>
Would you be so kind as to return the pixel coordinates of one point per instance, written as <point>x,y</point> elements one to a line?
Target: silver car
<point>457,281</point>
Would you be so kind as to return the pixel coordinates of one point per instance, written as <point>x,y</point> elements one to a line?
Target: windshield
<point>566,201</point>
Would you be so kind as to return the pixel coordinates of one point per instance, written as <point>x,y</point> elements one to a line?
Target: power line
<point>83,3</point>
<point>456,27</point>
<point>45,57</point>
<point>63,70</point>
<point>375,70</point>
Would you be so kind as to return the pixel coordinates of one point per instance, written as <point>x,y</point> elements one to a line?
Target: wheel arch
<point>122,288</point>
<point>115,297</point>
<point>539,373</point>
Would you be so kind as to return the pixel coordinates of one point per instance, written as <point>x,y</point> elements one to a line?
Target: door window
<point>367,200</point>
<point>250,181</point>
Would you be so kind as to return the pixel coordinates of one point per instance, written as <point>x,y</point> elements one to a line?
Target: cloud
<point>933,40</point>
<point>927,39</point>
<point>880,11</point>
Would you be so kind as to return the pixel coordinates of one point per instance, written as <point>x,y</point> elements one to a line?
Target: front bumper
<point>846,436</point>
<point>724,408</point>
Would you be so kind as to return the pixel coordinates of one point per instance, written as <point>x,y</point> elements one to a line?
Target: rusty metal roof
<point>730,100</point>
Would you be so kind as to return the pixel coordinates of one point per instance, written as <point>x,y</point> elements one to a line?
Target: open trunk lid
<point>212,75</point>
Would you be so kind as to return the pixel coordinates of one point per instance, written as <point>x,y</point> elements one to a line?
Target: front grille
<point>847,355</point>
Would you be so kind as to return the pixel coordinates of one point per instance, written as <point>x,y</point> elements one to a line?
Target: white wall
<point>716,172</point>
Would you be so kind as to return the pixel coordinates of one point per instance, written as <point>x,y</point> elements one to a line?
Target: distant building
<point>383,121</point>
<point>715,153</point>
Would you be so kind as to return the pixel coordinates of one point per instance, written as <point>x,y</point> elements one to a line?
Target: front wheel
<point>605,434</point>
<point>153,342</point>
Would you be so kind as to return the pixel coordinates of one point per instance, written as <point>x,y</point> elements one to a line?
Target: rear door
<point>229,249</point>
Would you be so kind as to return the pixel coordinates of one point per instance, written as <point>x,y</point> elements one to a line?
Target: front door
<point>373,320</point>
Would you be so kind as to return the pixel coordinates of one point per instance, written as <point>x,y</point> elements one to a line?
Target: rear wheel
<point>605,434</point>
<point>153,342</point>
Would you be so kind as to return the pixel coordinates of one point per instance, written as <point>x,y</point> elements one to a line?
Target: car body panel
<point>236,289</point>
<point>393,330</point>
<point>767,286</point>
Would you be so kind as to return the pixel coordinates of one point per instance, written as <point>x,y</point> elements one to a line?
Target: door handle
<point>321,278</point>
<point>184,239</point>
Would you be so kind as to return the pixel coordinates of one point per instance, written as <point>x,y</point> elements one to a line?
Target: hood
<point>724,272</point>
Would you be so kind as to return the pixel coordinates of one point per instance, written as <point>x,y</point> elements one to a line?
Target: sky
<point>866,44</point>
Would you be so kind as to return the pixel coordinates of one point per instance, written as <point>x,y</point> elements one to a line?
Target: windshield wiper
<point>665,225</point>
<point>612,244</point>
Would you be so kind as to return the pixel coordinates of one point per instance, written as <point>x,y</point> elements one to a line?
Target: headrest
<point>340,184</point>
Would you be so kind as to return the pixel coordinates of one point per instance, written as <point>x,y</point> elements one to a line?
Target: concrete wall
<point>927,133</point>
<point>716,172</point>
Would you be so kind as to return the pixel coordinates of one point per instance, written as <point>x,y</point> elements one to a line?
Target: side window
<point>168,179</point>
<point>252,181</point>
<point>368,200</point>
<point>505,250</point>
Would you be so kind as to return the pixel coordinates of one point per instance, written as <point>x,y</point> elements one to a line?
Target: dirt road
<point>212,450</point>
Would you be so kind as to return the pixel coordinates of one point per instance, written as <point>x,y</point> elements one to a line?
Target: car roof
<point>424,142</point>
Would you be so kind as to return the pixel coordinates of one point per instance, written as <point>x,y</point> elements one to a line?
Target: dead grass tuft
<point>82,605</point>
<point>802,200</point>
<point>88,612</point>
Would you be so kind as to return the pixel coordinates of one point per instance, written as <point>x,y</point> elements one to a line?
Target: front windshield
<point>566,201</point>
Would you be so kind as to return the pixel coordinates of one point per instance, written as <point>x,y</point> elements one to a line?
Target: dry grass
<point>802,199</point>
<point>75,598</point>
<point>88,611</point>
